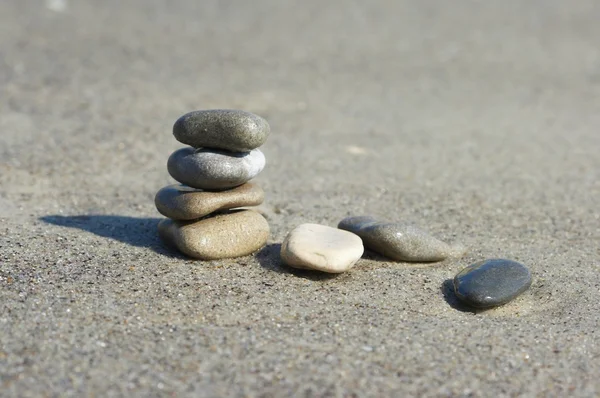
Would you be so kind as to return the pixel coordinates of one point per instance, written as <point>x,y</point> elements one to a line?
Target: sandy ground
<point>478,121</point>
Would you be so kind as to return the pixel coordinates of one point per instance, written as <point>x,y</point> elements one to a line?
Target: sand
<point>476,121</point>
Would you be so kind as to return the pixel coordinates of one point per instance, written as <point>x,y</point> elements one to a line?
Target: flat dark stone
<point>490,283</point>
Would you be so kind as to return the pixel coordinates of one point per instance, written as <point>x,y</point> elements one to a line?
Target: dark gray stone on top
<point>490,283</point>
<point>229,129</point>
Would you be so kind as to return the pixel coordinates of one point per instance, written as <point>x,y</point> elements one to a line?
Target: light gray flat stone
<point>230,129</point>
<point>321,248</point>
<point>397,241</point>
<point>233,234</point>
<point>213,169</point>
<point>181,202</point>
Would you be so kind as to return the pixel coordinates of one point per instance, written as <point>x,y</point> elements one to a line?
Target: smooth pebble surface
<point>181,202</point>
<point>397,241</point>
<point>490,283</point>
<point>322,248</point>
<point>233,130</point>
<point>227,235</point>
<point>213,169</point>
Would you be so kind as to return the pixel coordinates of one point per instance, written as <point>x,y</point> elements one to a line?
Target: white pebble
<point>322,248</point>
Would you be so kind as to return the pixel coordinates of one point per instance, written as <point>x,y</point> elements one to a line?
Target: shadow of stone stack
<point>204,216</point>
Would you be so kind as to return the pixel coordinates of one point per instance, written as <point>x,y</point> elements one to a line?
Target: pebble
<point>322,248</point>
<point>490,283</point>
<point>227,235</point>
<point>181,202</point>
<point>397,241</point>
<point>233,130</point>
<point>213,169</point>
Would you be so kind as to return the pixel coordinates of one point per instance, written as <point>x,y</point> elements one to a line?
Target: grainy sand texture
<point>476,121</point>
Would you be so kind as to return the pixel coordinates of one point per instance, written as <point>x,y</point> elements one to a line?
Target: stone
<point>229,129</point>
<point>232,234</point>
<point>397,241</point>
<point>181,202</point>
<point>213,169</point>
<point>322,248</point>
<point>490,283</point>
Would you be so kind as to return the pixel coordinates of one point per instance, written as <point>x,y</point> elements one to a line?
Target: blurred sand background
<point>477,121</point>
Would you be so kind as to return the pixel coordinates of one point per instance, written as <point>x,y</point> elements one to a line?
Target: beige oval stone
<point>181,202</point>
<point>233,234</point>
<point>322,248</point>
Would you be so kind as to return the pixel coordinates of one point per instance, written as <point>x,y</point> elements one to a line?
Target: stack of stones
<point>204,216</point>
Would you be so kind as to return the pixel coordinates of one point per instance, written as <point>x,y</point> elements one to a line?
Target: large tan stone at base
<point>227,235</point>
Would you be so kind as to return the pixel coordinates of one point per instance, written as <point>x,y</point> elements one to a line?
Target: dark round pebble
<point>490,283</point>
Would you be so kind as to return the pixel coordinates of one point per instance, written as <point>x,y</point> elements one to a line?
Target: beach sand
<point>476,121</point>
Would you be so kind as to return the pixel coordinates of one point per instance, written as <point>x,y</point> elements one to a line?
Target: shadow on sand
<point>447,289</point>
<point>140,232</point>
